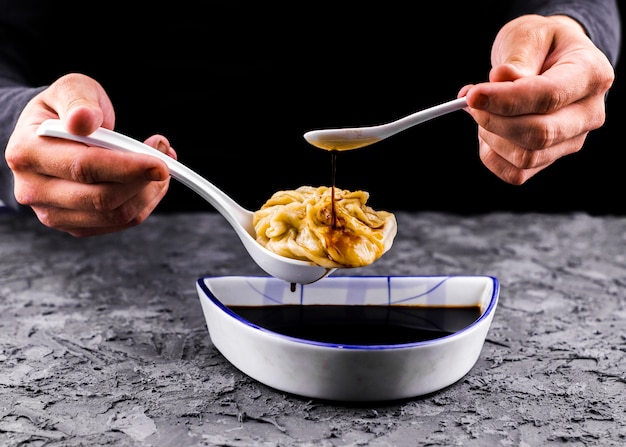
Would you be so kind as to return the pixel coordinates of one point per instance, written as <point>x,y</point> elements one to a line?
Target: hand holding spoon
<point>348,138</point>
<point>290,270</point>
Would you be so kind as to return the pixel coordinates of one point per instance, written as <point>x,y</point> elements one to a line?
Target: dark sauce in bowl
<point>361,324</point>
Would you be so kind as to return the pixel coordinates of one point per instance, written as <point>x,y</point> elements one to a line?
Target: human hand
<point>546,93</point>
<point>79,189</point>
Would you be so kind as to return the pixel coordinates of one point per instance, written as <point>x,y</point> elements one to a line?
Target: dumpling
<point>307,224</point>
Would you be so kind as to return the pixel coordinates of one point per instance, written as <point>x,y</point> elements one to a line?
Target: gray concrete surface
<point>103,342</point>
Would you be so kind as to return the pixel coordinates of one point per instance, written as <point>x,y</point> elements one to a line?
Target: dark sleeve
<point>17,86</point>
<point>600,18</point>
<point>12,101</point>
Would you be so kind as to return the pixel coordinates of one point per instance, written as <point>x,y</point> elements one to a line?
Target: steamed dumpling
<point>299,224</point>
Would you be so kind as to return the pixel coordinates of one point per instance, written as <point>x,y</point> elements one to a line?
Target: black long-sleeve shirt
<point>217,83</point>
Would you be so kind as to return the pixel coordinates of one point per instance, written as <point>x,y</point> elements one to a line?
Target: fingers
<point>541,94</point>
<point>539,131</point>
<point>76,162</point>
<point>87,209</point>
<point>86,190</point>
<point>81,223</point>
<point>35,189</point>
<point>161,143</point>
<point>518,147</point>
<point>515,164</point>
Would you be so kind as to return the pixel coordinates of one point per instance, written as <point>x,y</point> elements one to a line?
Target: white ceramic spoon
<point>346,138</point>
<point>290,270</point>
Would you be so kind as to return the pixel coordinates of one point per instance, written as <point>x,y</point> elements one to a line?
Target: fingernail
<point>154,174</point>
<point>162,147</point>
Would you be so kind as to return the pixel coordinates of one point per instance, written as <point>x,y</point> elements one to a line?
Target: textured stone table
<point>103,342</point>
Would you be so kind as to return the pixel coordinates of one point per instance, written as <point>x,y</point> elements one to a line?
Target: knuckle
<point>22,196</point>
<point>539,136</point>
<point>45,216</point>
<point>104,202</point>
<point>15,160</point>
<point>25,194</point>
<point>81,171</point>
<point>514,176</point>
<point>121,216</point>
<point>529,159</point>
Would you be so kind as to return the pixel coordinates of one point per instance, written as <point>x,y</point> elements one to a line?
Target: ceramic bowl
<point>349,338</point>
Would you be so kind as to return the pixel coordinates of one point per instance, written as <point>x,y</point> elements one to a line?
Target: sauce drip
<point>333,179</point>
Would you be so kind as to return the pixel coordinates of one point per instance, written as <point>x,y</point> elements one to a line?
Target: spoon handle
<point>426,114</point>
<point>109,139</point>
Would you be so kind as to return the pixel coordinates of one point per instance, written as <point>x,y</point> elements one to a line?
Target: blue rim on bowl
<point>346,371</point>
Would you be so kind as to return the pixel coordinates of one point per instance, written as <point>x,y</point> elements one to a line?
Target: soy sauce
<point>333,180</point>
<point>361,325</point>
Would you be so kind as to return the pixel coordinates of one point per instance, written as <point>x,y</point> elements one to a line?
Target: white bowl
<point>342,369</point>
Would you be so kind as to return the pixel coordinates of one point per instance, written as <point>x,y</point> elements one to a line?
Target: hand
<point>71,187</point>
<point>546,93</point>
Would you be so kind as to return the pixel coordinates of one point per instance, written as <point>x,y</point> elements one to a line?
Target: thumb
<point>82,104</point>
<point>520,49</point>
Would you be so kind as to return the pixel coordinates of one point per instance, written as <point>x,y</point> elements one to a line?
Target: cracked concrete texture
<point>103,342</point>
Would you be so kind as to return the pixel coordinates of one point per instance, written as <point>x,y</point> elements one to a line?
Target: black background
<point>234,90</point>
<point>433,166</point>
<point>243,84</point>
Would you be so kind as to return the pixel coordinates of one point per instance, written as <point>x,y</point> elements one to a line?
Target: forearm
<point>600,19</point>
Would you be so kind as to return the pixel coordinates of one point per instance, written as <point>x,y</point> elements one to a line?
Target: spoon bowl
<point>290,270</point>
<point>347,138</point>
